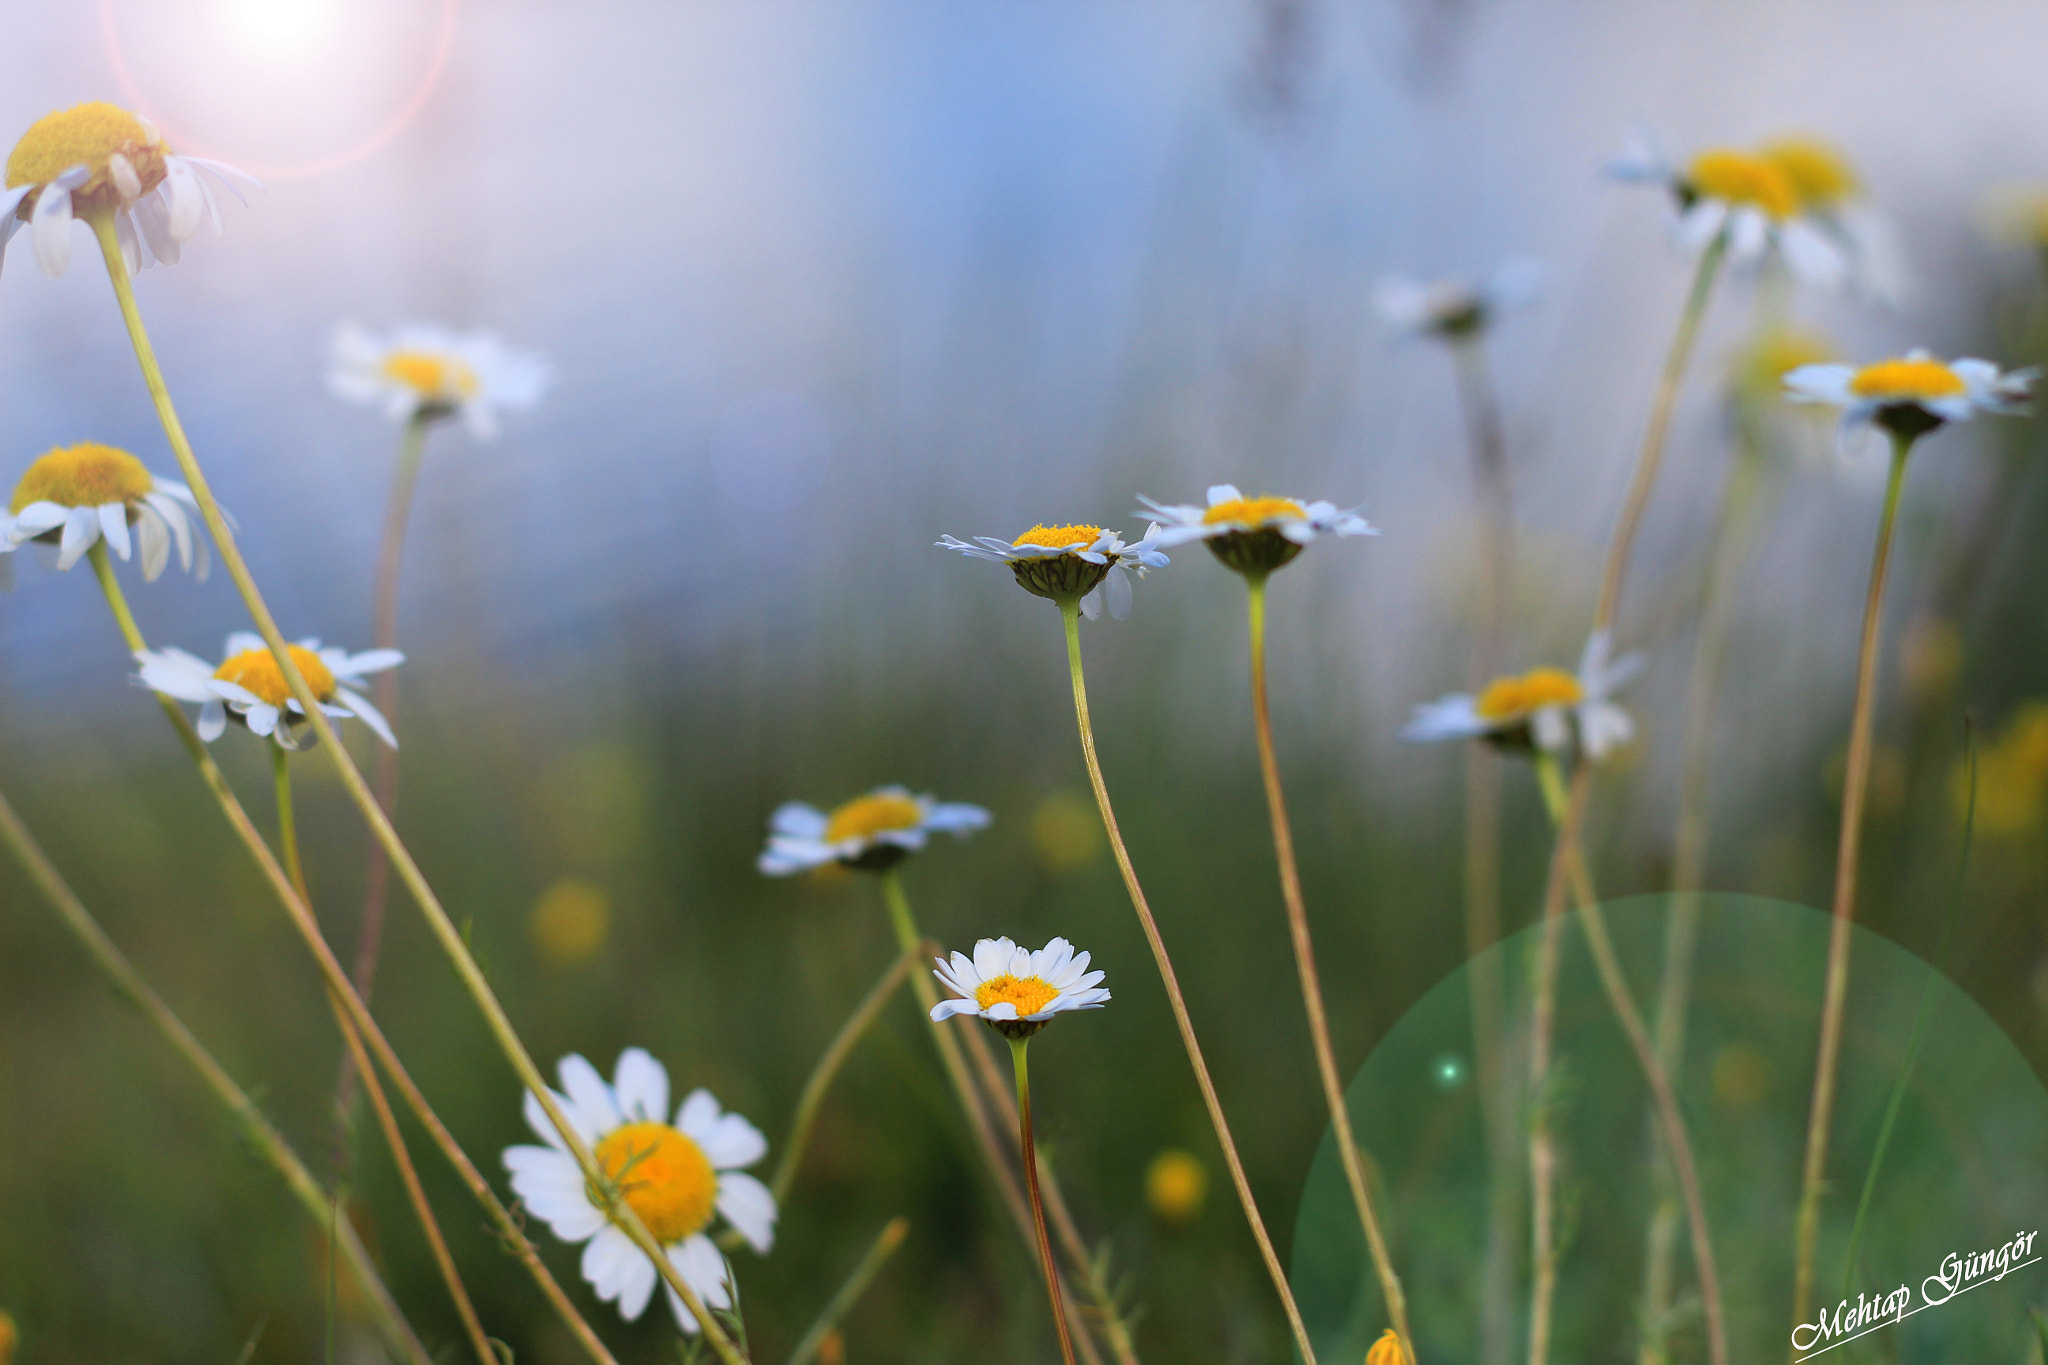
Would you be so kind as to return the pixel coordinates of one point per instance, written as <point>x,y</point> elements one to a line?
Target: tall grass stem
<point>1070,614</point>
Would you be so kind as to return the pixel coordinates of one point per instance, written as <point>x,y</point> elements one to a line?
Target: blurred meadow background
<point>820,282</point>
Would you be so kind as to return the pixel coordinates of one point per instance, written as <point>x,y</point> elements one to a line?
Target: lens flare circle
<point>287,26</point>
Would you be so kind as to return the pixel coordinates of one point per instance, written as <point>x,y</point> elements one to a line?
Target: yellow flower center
<point>85,475</point>
<point>257,670</point>
<point>664,1176</point>
<point>1255,511</point>
<point>1510,697</point>
<point>88,135</point>
<point>1739,178</point>
<point>439,377</point>
<point>866,816</point>
<point>1029,994</point>
<point>1820,176</point>
<point>1059,537</point>
<point>1907,381</point>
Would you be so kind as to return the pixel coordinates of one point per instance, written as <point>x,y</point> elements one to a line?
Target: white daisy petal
<point>641,1085</point>
<point>114,526</point>
<point>81,529</point>
<point>50,226</point>
<point>749,1207</point>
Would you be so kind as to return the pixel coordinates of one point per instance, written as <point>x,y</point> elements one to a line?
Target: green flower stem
<point>1734,525</point>
<point>1070,613</point>
<point>954,1060</point>
<point>1855,784</point>
<point>1670,1119</point>
<point>387,1122</point>
<point>1019,1047</point>
<point>1652,454</point>
<point>438,921</point>
<point>827,1069</point>
<point>1648,460</point>
<point>301,916</point>
<point>130,985</point>
<point>1311,984</point>
<point>1493,503</point>
<point>384,692</point>
<point>891,1237</point>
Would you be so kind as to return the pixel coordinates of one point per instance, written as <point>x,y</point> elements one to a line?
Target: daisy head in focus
<point>1746,200</point>
<point>1072,564</point>
<point>871,833</point>
<point>1546,710</point>
<point>98,162</point>
<point>1254,536</point>
<point>249,687</point>
<point>75,496</point>
<point>423,372</point>
<point>1911,395</point>
<point>1456,310</point>
<point>1016,991</point>
<point>675,1174</point>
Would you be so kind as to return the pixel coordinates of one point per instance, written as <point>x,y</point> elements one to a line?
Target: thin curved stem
<point>1733,527</point>
<point>1019,1047</point>
<point>387,1122</point>
<point>439,923</point>
<point>1070,614</point>
<point>827,1069</point>
<point>953,1059</point>
<point>1670,1119</point>
<point>885,1244</point>
<point>300,913</point>
<point>127,982</point>
<point>384,635</point>
<point>1311,983</point>
<point>1855,785</point>
<point>1492,504</point>
<point>1651,457</point>
<point>1542,1028</point>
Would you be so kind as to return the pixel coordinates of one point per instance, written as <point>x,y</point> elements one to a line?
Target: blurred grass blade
<point>892,1235</point>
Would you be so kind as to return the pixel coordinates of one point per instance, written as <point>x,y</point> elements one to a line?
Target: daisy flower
<point>872,832</point>
<point>1545,708</point>
<point>674,1175</point>
<point>74,495</point>
<point>95,159</point>
<point>422,370</point>
<point>1745,198</point>
<point>250,686</point>
<point>1455,309</point>
<point>1913,394</point>
<point>1063,563</point>
<point>1253,535</point>
<point>1834,200</point>
<point>1017,991</point>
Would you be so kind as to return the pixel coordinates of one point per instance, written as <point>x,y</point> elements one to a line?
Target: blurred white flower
<point>424,370</point>
<point>872,832</point>
<point>74,495</point>
<point>674,1175</point>
<point>1912,394</point>
<point>1062,563</point>
<point>1744,197</point>
<point>98,158</point>
<point>1015,989</point>
<point>1545,708</point>
<point>1452,309</point>
<point>250,686</point>
<point>1252,535</point>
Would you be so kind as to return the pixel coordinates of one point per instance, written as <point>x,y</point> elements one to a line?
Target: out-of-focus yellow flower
<point>9,1338</point>
<point>1741,1075</point>
<point>1760,367</point>
<point>1819,174</point>
<point>571,921</point>
<point>1066,832</point>
<point>832,1348</point>
<point>2012,777</point>
<point>1176,1184</point>
<point>1387,1350</point>
<point>1930,656</point>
